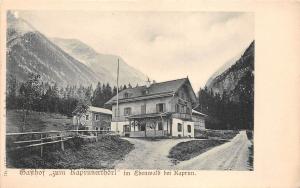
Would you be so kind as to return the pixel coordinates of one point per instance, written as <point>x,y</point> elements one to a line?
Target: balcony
<point>182,116</point>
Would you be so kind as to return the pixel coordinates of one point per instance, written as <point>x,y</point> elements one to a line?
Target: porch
<point>149,125</point>
<point>148,133</point>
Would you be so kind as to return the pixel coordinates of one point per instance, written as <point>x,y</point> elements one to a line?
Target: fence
<point>17,141</point>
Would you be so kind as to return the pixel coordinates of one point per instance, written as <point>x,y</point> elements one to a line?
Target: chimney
<point>148,83</point>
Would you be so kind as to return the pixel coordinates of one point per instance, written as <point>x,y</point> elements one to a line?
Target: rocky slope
<point>29,51</point>
<point>103,64</point>
<point>234,78</point>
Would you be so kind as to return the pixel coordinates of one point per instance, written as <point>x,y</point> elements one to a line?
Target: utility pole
<point>117,112</point>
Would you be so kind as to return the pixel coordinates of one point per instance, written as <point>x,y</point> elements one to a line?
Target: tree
<point>129,85</point>
<point>11,95</point>
<point>88,95</point>
<point>30,94</point>
<point>97,98</point>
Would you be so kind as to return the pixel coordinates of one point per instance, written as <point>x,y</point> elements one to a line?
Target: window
<point>181,109</point>
<point>127,111</point>
<point>160,125</point>
<point>160,107</point>
<point>97,117</point>
<point>188,111</point>
<point>143,109</point>
<point>179,127</point>
<point>126,95</point>
<point>145,92</point>
<point>177,108</point>
<point>189,128</point>
<point>86,117</point>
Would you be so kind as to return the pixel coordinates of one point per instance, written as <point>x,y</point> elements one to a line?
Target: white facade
<point>186,130</point>
<point>174,130</point>
<point>118,127</point>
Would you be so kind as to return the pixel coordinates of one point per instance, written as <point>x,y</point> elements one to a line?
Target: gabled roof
<point>155,90</point>
<point>99,110</point>
<point>93,109</point>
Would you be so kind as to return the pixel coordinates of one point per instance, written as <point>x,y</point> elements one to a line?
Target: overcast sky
<point>163,45</point>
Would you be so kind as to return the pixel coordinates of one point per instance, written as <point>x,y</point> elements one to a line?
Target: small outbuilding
<point>199,120</point>
<point>91,118</point>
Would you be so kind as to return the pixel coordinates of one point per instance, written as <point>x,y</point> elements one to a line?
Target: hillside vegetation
<point>77,154</point>
<point>36,121</point>
<point>228,99</point>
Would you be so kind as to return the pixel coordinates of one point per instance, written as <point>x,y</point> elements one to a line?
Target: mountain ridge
<point>230,80</point>
<point>29,51</point>
<point>105,64</point>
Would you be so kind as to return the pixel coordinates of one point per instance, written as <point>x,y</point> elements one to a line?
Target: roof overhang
<point>146,97</point>
<point>194,112</point>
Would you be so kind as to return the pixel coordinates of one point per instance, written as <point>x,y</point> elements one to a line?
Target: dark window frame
<point>188,110</point>
<point>179,127</point>
<point>159,109</point>
<point>126,95</point>
<point>189,128</point>
<point>177,106</point>
<point>127,111</point>
<point>160,126</point>
<point>143,109</point>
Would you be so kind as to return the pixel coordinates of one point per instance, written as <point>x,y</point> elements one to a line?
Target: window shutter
<point>164,107</point>
<point>157,108</point>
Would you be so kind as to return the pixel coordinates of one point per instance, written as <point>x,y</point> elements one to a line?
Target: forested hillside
<point>229,99</point>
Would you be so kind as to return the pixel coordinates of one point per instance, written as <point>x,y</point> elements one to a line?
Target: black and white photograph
<point>152,90</point>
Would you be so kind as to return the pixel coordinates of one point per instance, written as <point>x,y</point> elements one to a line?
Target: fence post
<point>96,136</point>
<point>41,145</point>
<point>62,142</point>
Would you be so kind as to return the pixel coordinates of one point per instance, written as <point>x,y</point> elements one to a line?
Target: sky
<point>162,45</point>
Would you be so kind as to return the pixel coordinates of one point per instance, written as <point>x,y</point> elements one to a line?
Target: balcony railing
<point>182,116</point>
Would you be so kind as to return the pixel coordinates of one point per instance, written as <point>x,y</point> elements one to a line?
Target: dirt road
<point>153,155</point>
<point>229,156</point>
<point>149,154</point>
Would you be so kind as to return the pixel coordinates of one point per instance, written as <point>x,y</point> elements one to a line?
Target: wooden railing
<point>35,139</point>
<point>182,116</point>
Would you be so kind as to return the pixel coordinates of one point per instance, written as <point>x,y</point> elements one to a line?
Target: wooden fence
<point>39,139</point>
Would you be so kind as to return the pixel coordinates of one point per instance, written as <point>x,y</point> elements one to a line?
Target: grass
<point>216,134</point>
<point>78,154</point>
<point>187,150</point>
<point>36,121</point>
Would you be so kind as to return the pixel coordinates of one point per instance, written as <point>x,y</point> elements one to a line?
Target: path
<point>153,155</point>
<point>229,156</point>
<point>149,154</point>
